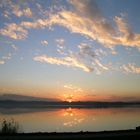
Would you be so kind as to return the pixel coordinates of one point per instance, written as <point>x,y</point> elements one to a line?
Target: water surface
<point>73,119</point>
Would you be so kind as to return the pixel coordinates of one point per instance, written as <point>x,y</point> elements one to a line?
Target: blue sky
<point>84,50</point>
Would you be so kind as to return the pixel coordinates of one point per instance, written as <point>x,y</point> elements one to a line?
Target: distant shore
<point>128,134</point>
<point>46,104</point>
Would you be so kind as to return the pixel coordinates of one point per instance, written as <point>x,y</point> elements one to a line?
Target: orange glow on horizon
<point>68,98</point>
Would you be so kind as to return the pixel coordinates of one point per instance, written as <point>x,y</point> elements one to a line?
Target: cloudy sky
<point>70,49</point>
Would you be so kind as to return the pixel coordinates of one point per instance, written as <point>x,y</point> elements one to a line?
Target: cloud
<point>99,67</point>
<point>92,57</point>
<point>44,42</point>
<point>127,36</point>
<point>97,31</point>
<point>60,41</point>
<point>86,50</point>
<point>73,88</point>
<point>67,61</point>
<point>86,19</point>
<point>5,58</point>
<point>100,52</point>
<point>37,24</point>
<point>2,62</point>
<point>85,58</point>
<point>14,47</point>
<point>17,11</point>
<point>100,64</point>
<point>9,8</point>
<point>14,31</point>
<point>104,32</point>
<point>6,14</point>
<point>16,8</point>
<point>60,45</point>
<point>130,68</point>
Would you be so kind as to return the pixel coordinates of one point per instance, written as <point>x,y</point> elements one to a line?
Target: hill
<point>15,97</point>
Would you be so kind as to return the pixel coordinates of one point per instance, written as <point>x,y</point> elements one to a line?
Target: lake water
<point>72,119</point>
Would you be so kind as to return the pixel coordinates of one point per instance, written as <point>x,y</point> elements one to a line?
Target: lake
<point>73,119</point>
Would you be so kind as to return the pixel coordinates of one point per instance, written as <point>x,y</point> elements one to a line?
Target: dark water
<point>73,120</point>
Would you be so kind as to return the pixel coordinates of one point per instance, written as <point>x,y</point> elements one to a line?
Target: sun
<point>69,98</point>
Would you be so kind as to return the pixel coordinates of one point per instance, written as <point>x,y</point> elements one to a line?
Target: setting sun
<point>68,98</point>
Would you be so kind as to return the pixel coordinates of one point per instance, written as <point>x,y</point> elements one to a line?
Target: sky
<point>73,50</point>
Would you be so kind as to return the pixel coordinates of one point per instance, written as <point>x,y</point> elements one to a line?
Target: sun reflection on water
<point>69,112</point>
<point>72,117</point>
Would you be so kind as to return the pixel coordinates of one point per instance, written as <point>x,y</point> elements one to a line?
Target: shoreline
<point>132,133</point>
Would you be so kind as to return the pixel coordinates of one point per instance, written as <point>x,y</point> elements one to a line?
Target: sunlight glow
<point>68,98</point>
